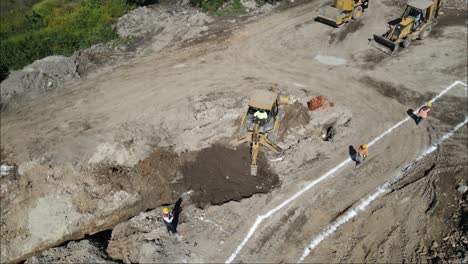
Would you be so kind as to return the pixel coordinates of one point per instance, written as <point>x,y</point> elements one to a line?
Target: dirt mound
<point>219,174</point>
<point>296,116</point>
<point>150,177</point>
<point>216,175</point>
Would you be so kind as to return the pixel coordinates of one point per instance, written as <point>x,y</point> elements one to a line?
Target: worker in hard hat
<point>168,218</point>
<point>261,115</point>
<point>423,113</point>
<point>361,154</point>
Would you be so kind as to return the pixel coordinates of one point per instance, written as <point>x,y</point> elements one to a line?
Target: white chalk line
<point>381,190</point>
<point>260,218</point>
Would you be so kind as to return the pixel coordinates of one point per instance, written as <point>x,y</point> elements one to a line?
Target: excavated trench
<point>214,175</point>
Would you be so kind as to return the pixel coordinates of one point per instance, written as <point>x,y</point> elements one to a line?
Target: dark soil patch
<point>296,116</point>
<point>344,31</point>
<point>451,17</point>
<point>218,174</point>
<point>400,93</point>
<point>371,59</point>
<point>450,110</point>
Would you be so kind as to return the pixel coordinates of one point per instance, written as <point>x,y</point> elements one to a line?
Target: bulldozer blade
<point>384,45</point>
<point>253,170</point>
<point>330,15</point>
<point>328,21</point>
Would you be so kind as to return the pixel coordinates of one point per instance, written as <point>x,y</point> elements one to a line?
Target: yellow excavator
<point>261,130</point>
<point>342,12</point>
<point>417,21</point>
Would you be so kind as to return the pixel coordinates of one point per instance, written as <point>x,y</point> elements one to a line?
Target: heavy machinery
<point>261,131</point>
<point>417,21</point>
<point>342,12</point>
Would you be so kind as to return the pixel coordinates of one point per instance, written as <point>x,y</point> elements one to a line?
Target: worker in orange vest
<point>361,154</point>
<point>168,219</point>
<point>423,113</point>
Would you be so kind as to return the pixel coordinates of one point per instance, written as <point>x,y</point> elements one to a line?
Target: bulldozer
<point>417,21</point>
<point>342,12</point>
<point>261,131</point>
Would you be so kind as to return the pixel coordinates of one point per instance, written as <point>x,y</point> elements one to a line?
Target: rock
<point>462,189</point>
<point>250,4</point>
<point>265,9</point>
<point>74,252</point>
<point>435,244</point>
<point>8,170</point>
<point>36,79</point>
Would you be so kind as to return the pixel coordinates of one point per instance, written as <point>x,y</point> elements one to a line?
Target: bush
<point>220,7</point>
<point>210,6</point>
<point>54,27</point>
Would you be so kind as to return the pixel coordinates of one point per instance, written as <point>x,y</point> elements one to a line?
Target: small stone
<point>435,244</point>
<point>462,189</point>
<point>221,242</point>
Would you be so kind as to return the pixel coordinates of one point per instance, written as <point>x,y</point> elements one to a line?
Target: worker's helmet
<point>364,146</point>
<point>429,105</point>
<point>165,210</point>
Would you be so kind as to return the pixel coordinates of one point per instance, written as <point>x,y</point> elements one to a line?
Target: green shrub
<point>56,27</point>
<point>210,6</point>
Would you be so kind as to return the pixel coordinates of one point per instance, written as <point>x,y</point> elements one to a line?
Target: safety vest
<point>167,218</point>
<point>261,115</point>
<point>424,112</point>
<point>362,152</point>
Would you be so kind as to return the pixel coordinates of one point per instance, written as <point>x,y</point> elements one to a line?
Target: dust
<point>296,116</point>
<point>218,174</point>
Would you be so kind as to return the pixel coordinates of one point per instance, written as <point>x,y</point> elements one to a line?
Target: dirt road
<point>190,98</point>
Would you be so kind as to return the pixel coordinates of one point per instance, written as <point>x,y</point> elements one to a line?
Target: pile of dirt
<point>296,116</point>
<point>150,177</point>
<point>215,175</point>
<point>219,174</point>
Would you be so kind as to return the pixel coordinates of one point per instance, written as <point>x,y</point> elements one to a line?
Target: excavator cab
<point>261,131</point>
<point>416,22</point>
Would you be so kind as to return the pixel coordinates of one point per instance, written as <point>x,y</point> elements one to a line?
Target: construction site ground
<point>127,140</point>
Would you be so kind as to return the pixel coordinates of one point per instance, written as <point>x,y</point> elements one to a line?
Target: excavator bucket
<point>385,45</point>
<point>253,170</point>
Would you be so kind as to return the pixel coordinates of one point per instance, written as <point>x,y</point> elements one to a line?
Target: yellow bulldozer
<point>260,124</point>
<point>342,12</point>
<point>417,21</point>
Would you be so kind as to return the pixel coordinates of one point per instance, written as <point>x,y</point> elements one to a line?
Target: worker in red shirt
<point>361,154</point>
<point>423,113</point>
<point>168,219</point>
